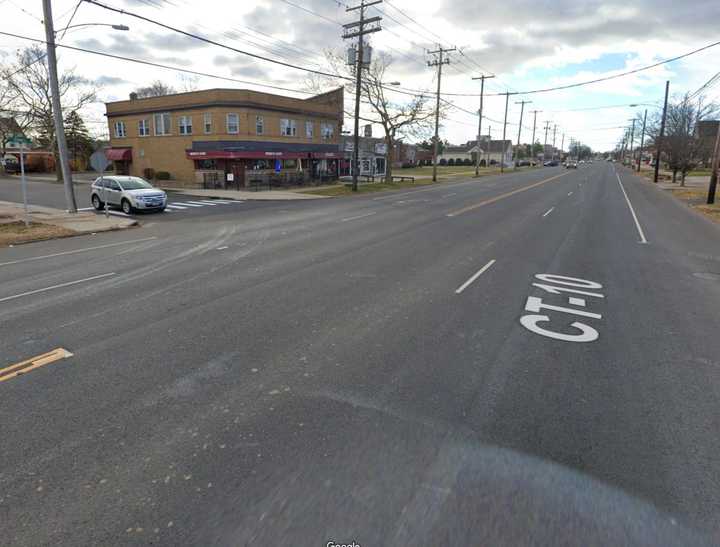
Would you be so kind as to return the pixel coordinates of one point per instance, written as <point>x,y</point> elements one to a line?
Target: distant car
<point>551,163</point>
<point>11,166</point>
<point>571,165</point>
<point>129,193</point>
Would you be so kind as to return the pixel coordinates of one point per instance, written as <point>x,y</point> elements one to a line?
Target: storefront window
<point>258,165</point>
<point>206,164</point>
<point>289,164</point>
<point>380,166</point>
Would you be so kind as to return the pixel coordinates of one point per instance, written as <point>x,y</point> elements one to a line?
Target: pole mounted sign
<point>21,142</point>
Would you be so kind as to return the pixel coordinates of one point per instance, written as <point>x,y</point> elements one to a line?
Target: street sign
<point>98,161</point>
<point>18,141</point>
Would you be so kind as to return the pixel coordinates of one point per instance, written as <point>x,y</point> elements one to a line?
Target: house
<point>493,152</point>
<point>372,155</point>
<point>457,154</point>
<point>226,136</point>
<point>404,155</point>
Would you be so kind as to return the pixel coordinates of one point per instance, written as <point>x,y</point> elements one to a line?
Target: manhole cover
<point>708,275</point>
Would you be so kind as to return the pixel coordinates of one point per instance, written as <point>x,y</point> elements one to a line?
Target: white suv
<point>129,193</point>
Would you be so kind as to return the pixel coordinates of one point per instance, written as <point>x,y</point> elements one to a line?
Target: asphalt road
<point>373,370</point>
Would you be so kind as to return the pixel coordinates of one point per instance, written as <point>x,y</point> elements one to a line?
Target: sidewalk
<point>264,195</point>
<point>78,178</point>
<point>48,223</point>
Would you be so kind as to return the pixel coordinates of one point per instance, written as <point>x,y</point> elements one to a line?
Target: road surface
<point>528,359</point>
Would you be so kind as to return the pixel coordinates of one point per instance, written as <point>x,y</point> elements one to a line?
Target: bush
<point>443,161</point>
<point>407,165</point>
<point>467,161</point>
<point>451,161</point>
<point>149,173</point>
<point>162,175</point>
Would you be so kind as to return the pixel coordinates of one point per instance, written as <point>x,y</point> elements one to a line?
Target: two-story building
<point>226,136</point>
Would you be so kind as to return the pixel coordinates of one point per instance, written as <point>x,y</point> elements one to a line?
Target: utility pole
<point>502,157</point>
<point>480,113</point>
<point>522,108</point>
<point>532,145</point>
<point>562,145</point>
<point>554,133</point>
<point>57,109</point>
<point>547,126</point>
<point>658,142</point>
<point>439,62</point>
<point>487,160</point>
<point>642,141</point>
<point>715,167</point>
<point>359,63</point>
<point>632,144</point>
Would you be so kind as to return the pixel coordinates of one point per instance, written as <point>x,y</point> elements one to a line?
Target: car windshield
<point>134,183</point>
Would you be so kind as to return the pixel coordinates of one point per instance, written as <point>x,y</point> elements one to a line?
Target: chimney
<point>133,96</point>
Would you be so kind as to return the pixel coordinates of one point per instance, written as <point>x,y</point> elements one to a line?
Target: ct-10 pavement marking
<point>548,211</point>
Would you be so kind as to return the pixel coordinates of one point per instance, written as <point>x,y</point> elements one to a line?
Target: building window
<point>120,130</point>
<point>309,130</point>
<point>207,122</point>
<point>258,165</point>
<point>289,164</point>
<point>327,131</point>
<point>288,128</point>
<point>233,123</point>
<point>185,125</point>
<point>162,123</point>
<point>143,128</point>
<point>259,125</point>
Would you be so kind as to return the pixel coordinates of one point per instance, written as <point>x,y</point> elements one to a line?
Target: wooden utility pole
<point>522,108</point>
<point>547,126</point>
<point>532,144</point>
<point>715,168</point>
<point>359,63</point>
<point>507,102</point>
<point>480,114</point>
<point>439,62</point>
<point>658,141</point>
<point>642,141</point>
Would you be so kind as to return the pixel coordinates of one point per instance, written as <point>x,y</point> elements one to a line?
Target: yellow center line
<point>22,367</point>
<point>502,196</point>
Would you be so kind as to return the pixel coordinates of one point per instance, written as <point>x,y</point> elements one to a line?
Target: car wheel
<point>127,208</point>
<point>96,203</point>
<point>162,209</point>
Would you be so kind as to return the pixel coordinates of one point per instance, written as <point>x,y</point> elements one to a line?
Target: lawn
<point>17,232</point>
<point>695,198</point>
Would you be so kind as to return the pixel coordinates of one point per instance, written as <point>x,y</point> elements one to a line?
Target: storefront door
<point>237,168</point>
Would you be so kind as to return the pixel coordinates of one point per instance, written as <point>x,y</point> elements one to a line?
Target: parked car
<point>129,193</point>
<point>551,163</point>
<point>571,165</point>
<point>10,166</point>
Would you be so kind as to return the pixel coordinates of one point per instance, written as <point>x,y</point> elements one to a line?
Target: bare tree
<point>188,82</point>
<point>28,82</point>
<point>680,144</point>
<point>156,89</point>
<point>411,118</point>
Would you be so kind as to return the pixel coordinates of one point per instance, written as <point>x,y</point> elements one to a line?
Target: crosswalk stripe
<point>176,207</point>
<point>188,204</point>
<point>201,203</point>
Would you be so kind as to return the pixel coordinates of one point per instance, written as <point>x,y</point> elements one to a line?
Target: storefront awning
<point>246,154</point>
<point>119,154</point>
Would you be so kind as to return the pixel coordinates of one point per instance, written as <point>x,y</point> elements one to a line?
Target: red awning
<point>119,154</point>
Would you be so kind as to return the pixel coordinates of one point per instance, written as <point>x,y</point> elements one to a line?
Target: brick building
<point>226,136</point>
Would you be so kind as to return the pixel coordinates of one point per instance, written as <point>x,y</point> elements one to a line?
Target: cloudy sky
<point>527,45</point>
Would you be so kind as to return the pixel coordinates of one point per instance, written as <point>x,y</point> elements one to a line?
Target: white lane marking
<point>574,301</point>
<point>224,201</point>
<point>548,211</point>
<point>211,201</point>
<point>61,285</point>
<point>448,195</point>
<point>201,203</point>
<point>187,204</point>
<point>635,218</point>
<point>222,248</point>
<point>570,193</point>
<point>393,196</point>
<point>359,216</point>
<point>175,207</point>
<point>474,277</point>
<point>74,251</point>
